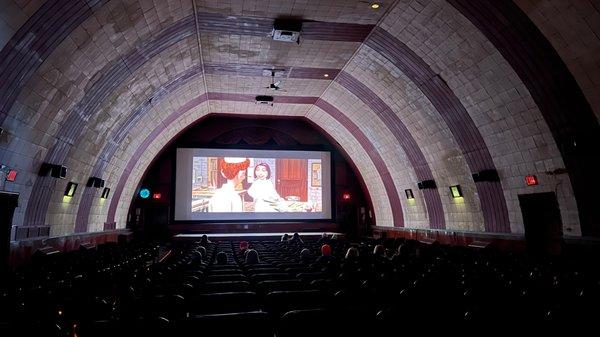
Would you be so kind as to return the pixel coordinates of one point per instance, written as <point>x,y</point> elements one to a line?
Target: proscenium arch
<point>418,162</point>
<point>124,180</point>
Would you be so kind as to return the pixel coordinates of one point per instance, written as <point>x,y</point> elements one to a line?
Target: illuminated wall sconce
<point>105,193</point>
<point>456,191</point>
<point>71,188</point>
<point>156,196</point>
<point>409,194</point>
<point>346,196</point>
<point>531,180</point>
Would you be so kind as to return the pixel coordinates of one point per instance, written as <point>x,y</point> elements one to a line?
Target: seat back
<point>225,286</point>
<point>268,286</point>
<point>227,302</point>
<point>247,324</point>
<point>280,302</point>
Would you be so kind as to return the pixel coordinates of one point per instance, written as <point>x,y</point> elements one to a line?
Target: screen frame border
<point>245,146</point>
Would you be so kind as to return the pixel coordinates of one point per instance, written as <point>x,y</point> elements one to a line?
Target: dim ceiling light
<point>375,5</point>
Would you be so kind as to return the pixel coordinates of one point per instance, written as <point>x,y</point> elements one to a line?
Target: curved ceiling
<point>414,91</point>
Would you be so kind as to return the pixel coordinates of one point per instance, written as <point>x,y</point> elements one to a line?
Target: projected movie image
<point>256,185</point>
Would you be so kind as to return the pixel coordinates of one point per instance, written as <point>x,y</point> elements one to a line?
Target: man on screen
<point>226,198</point>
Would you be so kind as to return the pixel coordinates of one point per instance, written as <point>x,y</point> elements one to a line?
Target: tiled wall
<point>62,109</point>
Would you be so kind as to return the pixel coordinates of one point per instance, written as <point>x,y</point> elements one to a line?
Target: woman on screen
<point>266,198</point>
<point>226,198</point>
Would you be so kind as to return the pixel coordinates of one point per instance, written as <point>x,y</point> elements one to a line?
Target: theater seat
<point>268,286</point>
<point>280,302</point>
<point>217,303</point>
<point>246,324</point>
<point>309,277</point>
<point>230,271</point>
<point>230,277</point>
<point>263,271</point>
<point>269,277</point>
<point>322,322</point>
<point>225,286</point>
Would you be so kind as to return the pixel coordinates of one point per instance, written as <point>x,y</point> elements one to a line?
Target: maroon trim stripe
<point>414,154</point>
<point>556,93</point>
<point>386,177</point>
<point>121,132</point>
<point>325,106</point>
<point>313,30</point>
<point>114,74</point>
<point>34,41</point>
<point>258,69</point>
<point>468,138</point>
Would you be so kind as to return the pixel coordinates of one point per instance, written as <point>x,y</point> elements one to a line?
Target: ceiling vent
<point>287,30</point>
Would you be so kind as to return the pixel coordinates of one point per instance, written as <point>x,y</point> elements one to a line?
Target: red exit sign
<point>531,180</point>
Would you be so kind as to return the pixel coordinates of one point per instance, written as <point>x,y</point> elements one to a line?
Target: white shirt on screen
<point>261,191</point>
<point>226,199</point>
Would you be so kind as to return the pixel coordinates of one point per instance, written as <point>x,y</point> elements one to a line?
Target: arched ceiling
<point>413,91</point>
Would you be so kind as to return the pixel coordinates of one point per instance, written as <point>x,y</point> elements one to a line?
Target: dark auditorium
<point>298,168</point>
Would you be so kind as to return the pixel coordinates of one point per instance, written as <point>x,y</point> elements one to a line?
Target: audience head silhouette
<point>252,257</point>
<point>325,250</point>
<point>222,258</point>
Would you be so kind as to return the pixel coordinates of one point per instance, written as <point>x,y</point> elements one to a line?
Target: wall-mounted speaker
<point>54,170</point>
<point>486,175</point>
<point>427,184</point>
<point>95,182</point>
<point>58,171</point>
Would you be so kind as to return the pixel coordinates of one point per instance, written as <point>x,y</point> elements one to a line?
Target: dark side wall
<point>154,216</point>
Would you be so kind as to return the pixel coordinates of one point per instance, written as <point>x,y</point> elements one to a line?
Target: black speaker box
<point>58,171</point>
<point>427,184</point>
<point>486,175</point>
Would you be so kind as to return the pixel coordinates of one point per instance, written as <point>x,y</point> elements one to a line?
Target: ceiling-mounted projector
<point>264,100</point>
<point>287,30</point>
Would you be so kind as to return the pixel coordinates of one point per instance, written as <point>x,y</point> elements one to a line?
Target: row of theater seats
<point>127,289</point>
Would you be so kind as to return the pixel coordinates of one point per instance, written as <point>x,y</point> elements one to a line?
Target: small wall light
<point>409,194</point>
<point>105,193</point>
<point>456,191</point>
<point>71,188</point>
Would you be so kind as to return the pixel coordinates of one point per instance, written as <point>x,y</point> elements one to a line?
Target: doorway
<point>542,221</point>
